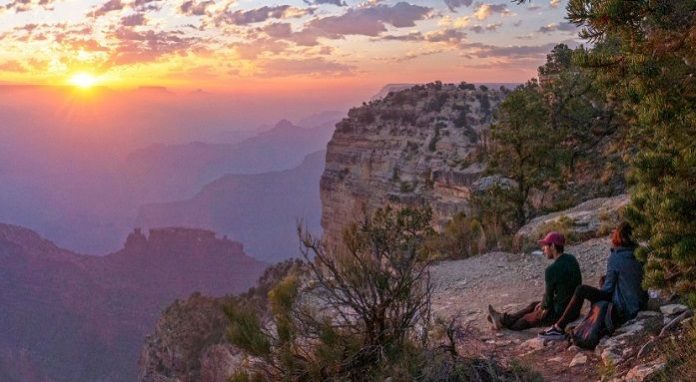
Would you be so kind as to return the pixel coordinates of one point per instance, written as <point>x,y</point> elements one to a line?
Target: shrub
<point>680,353</point>
<point>363,305</point>
<point>461,237</point>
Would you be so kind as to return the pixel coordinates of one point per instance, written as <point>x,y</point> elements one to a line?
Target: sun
<point>83,80</point>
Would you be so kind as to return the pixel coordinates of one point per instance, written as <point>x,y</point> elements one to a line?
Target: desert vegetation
<point>357,312</point>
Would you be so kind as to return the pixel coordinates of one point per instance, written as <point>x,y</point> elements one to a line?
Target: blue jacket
<point>623,280</point>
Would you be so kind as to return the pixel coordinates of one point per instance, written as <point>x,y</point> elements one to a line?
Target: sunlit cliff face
<point>274,45</point>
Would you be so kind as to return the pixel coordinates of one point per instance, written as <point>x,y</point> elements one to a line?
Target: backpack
<point>597,323</point>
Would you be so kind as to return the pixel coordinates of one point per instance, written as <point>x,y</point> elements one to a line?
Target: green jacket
<point>561,277</point>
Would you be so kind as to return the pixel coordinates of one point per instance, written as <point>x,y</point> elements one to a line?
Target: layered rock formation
<point>69,317</point>
<point>415,146</point>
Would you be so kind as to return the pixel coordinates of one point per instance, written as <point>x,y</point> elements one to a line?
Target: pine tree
<point>653,72</point>
<point>524,146</point>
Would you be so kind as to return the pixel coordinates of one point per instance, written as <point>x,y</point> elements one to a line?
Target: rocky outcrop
<point>593,218</point>
<point>413,147</point>
<point>189,344</point>
<point>69,317</point>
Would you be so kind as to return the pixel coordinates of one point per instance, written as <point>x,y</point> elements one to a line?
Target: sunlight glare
<point>83,80</point>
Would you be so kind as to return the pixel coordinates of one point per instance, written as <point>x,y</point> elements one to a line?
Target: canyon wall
<point>412,147</point>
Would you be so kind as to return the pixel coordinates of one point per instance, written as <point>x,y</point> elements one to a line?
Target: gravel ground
<point>464,288</point>
<point>505,280</point>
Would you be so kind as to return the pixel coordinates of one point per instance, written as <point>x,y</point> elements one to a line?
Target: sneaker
<point>495,318</point>
<point>553,334</point>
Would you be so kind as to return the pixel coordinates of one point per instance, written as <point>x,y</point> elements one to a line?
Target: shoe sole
<point>553,337</point>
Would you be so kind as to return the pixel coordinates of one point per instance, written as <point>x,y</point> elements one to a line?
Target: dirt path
<point>464,288</point>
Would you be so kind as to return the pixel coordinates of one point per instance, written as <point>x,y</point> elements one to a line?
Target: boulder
<point>593,218</point>
<point>579,359</point>
<point>647,313</point>
<point>535,343</point>
<point>645,372</point>
<point>611,357</point>
<point>673,309</point>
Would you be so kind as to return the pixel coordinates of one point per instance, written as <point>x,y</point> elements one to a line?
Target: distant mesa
<point>101,308</point>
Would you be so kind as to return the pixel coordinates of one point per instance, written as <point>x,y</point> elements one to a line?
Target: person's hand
<point>539,310</point>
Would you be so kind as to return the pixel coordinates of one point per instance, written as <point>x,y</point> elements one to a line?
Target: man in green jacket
<point>561,279</point>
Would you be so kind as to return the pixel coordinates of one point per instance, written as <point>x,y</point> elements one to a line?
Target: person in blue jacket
<point>622,285</point>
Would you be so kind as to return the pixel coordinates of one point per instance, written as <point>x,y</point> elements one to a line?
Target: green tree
<point>653,72</point>
<point>366,305</point>
<point>461,237</point>
<point>524,147</point>
<point>578,108</point>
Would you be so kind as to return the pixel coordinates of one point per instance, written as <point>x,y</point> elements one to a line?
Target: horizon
<point>254,47</point>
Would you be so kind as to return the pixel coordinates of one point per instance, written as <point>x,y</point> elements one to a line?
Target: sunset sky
<point>275,45</point>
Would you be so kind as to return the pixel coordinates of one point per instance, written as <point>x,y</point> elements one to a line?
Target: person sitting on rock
<point>562,277</point>
<point>622,286</point>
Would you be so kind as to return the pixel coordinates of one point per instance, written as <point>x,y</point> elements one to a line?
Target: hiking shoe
<point>495,318</point>
<point>553,334</point>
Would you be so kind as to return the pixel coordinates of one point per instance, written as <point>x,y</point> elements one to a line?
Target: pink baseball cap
<point>553,237</point>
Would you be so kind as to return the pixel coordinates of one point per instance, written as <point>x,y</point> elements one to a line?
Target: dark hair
<point>559,248</point>
<point>622,236</point>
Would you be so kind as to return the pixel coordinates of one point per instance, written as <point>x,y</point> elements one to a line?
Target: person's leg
<point>509,319</point>
<point>533,319</point>
<point>582,293</point>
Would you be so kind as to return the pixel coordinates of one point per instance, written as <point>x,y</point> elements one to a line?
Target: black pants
<point>529,317</point>
<point>582,293</point>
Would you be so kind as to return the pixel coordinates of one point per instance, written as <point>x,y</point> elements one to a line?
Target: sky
<point>276,46</point>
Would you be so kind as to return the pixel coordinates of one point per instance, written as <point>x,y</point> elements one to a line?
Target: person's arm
<point>550,281</point>
<point>611,276</point>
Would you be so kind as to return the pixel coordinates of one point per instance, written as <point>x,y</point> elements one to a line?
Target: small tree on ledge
<point>357,315</point>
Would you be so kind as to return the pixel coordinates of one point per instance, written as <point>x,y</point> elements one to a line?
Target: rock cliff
<point>414,146</point>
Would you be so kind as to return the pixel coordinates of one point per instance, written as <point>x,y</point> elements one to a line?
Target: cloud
<point>338,3</point>
<point>500,63</point>
<point>564,27</point>
<point>454,4</point>
<point>369,21</point>
<point>516,51</point>
<point>147,5</point>
<point>27,5</point>
<point>554,3</point>
<point>483,11</point>
<point>534,7</point>
<point>261,14</point>
<point>450,36</point>
<point>278,30</point>
<point>109,6</point>
<point>134,20</point>
<point>12,66</point>
<point>487,28</point>
<point>318,66</point>
<point>195,8</point>
<point>253,49</point>
<point>413,36</point>
<point>413,55</point>
<point>134,47</point>
<point>284,31</point>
